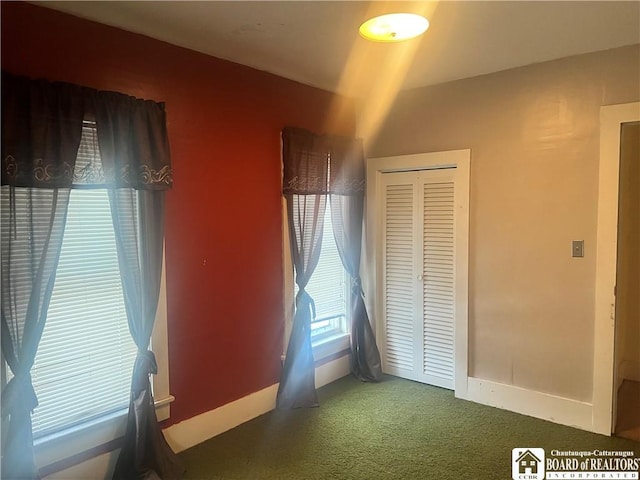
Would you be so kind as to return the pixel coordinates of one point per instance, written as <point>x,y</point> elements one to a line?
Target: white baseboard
<point>207,425</point>
<point>97,468</point>
<point>332,371</point>
<point>202,427</point>
<point>564,411</point>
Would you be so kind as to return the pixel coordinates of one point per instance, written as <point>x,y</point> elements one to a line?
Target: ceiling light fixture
<point>394,27</point>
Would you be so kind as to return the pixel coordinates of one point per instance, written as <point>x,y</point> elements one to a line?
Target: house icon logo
<point>527,463</point>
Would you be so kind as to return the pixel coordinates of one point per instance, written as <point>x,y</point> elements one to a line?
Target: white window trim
<point>326,346</point>
<point>85,436</point>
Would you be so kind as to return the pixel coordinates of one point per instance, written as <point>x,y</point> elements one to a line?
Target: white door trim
<point>611,118</point>
<point>460,159</point>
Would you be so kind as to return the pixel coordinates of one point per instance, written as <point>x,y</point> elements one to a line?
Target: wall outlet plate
<point>577,248</point>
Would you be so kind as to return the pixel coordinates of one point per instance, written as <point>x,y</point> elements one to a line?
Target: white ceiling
<point>315,42</point>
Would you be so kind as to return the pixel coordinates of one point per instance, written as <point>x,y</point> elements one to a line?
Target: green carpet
<point>395,429</point>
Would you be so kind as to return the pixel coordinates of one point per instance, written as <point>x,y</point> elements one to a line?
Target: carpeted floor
<point>396,429</point>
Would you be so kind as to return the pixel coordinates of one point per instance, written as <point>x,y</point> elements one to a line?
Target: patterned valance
<point>42,126</point>
<point>321,164</point>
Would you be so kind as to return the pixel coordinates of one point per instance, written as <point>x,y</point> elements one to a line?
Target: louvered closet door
<point>438,295</point>
<point>418,233</point>
<point>402,331</point>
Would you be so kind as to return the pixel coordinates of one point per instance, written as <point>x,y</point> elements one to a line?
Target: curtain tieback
<point>304,300</point>
<point>19,394</point>
<point>144,366</point>
<point>356,286</point>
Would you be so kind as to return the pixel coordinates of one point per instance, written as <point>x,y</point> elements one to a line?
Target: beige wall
<point>533,134</point>
<point>628,274</point>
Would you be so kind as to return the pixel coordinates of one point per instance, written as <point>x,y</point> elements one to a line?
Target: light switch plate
<point>577,248</point>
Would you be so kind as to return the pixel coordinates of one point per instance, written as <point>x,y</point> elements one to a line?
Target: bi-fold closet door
<point>418,233</point>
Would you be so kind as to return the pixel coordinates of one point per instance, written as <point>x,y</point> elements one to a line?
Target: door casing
<point>611,119</point>
<point>376,167</point>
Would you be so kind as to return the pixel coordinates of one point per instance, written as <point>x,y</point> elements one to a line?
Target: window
<point>83,367</point>
<point>85,359</point>
<point>84,362</point>
<point>328,287</point>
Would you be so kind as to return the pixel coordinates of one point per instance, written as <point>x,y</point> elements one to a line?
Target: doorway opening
<point>627,314</point>
<point>609,367</point>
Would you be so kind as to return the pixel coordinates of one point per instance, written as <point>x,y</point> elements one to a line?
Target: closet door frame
<point>376,167</point>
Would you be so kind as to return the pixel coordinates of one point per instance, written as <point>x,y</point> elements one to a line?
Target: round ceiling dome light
<point>394,27</point>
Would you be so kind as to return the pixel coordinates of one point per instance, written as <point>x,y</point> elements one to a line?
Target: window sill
<point>330,346</point>
<point>82,442</point>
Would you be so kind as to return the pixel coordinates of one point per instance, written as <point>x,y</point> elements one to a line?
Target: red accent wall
<point>223,225</point>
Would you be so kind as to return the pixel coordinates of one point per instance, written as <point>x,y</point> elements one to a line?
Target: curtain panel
<point>347,185</point>
<point>42,128</point>
<point>138,219</point>
<point>134,146</point>
<point>324,167</point>
<point>297,387</point>
<point>33,223</point>
<point>41,131</point>
<point>321,164</point>
<point>346,219</point>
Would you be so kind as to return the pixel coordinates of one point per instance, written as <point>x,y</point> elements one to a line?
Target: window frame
<point>323,345</point>
<point>92,434</point>
<point>68,301</point>
<point>57,447</point>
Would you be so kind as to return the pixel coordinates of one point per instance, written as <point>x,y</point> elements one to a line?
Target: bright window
<point>85,359</point>
<point>328,287</point>
<point>83,367</point>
